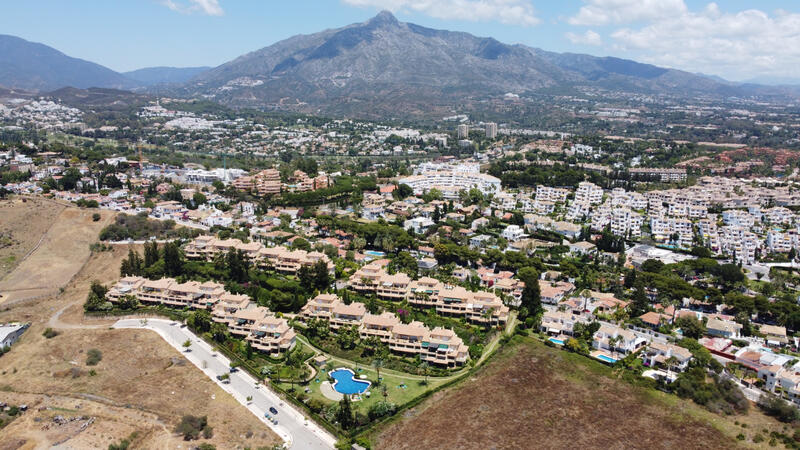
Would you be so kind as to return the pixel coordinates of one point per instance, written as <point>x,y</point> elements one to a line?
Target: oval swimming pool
<point>346,382</point>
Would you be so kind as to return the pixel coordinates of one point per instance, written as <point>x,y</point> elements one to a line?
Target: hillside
<point>32,66</point>
<point>530,393</point>
<point>384,67</point>
<point>150,76</point>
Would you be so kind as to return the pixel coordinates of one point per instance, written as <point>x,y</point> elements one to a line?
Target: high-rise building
<point>491,130</point>
<point>463,131</point>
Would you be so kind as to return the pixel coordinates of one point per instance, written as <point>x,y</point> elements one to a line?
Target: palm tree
<point>425,368</point>
<point>377,363</point>
<point>671,362</point>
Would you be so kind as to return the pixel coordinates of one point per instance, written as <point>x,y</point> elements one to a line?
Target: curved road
<point>293,427</point>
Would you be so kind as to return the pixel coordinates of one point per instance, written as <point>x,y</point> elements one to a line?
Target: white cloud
<point>739,44</point>
<point>208,7</point>
<point>512,12</point>
<point>604,12</point>
<point>587,38</point>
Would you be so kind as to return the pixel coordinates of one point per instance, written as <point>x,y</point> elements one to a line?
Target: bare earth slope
<point>22,225</point>
<point>141,385</point>
<point>57,254</point>
<point>532,396</point>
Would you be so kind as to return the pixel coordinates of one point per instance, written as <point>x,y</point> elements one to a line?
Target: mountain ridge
<point>384,65</point>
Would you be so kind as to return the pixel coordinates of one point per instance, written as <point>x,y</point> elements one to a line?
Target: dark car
<point>273,410</point>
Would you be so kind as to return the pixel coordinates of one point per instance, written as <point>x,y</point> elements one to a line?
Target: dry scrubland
<point>21,227</point>
<point>60,237</point>
<point>141,384</point>
<point>533,396</point>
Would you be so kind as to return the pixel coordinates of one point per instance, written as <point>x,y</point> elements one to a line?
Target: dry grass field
<point>533,396</point>
<point>60,245</point>
<point>141,385</point>
<point>22,224</point>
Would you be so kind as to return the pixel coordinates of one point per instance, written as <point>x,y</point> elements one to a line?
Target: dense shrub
<point>778,408</point>
<point>191,427</point>
<point>93,357</point>
<point>139,227</point>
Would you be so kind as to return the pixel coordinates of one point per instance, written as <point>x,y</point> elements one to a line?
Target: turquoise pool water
<point>606,359</point>
<point>375,253</point>
<point>346,383</point>
<point>556,341</point>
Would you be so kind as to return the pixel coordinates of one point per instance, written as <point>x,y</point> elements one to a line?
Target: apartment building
<point>782,242</point>
<point>491,130</point>
<point>244,319</point>
<point>280,258</point>
<point>451,183</point>
<point>439,346</point>
<point>664,175</point>
<point>267,182</point>
<point>663,228</point>
<point>167,291</point>
<point>739,243</point>
<point>551,194</point>
<point>373,279</point>
<point>479,307</point>
<point>589,193</point>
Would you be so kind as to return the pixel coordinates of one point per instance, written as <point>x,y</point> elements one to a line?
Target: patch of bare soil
<point>531,396</point>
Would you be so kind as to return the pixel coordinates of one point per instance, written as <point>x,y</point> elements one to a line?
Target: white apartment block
<point>782,242</point>
<point>663,228</point>
<point>738,218</point>
<point>451,183</point>
<point>739,243</point>
<point>551,194</point>
<point>589,193</point>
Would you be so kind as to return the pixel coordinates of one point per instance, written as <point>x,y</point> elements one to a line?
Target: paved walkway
<point>329,392</point>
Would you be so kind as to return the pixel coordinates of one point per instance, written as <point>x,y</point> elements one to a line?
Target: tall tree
<point>173,260</point>
<point>531,294</point>
<point>344,415</point>
<point>150,253</point>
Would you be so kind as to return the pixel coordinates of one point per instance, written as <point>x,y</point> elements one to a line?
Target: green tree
<point>173,260</point>
<point>691,327</point>
<point>531,294</point>
<point>344,414</point>
<point>378,363</point>
<point>151,255</point>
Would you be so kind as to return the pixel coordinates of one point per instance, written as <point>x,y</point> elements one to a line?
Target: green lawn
<point>414,386</point>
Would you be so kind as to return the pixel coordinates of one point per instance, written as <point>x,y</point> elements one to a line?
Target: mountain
<point>32,66</point>
<point>98,98</point>
<point>386,68</point>
<point>150,76</point>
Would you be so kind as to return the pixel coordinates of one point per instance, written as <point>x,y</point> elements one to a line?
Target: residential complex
<point>256,324</point>
<point>279,258</point>
<point>479,307</point>
<point>438,346</point>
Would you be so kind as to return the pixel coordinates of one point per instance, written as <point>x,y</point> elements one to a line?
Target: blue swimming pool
<point>346,382</point>
<point>556,341</point>
<point>606,359</point>
<point>375,253</point>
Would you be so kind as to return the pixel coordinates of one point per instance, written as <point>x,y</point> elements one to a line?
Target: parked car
<point>273,410</point>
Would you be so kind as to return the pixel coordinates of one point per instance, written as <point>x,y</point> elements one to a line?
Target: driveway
<point>293,427</point>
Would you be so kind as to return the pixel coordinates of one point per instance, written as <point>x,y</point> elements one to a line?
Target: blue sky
<point>735,39</point>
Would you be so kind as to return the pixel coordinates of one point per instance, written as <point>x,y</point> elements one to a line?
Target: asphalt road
<point>293,427</point>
